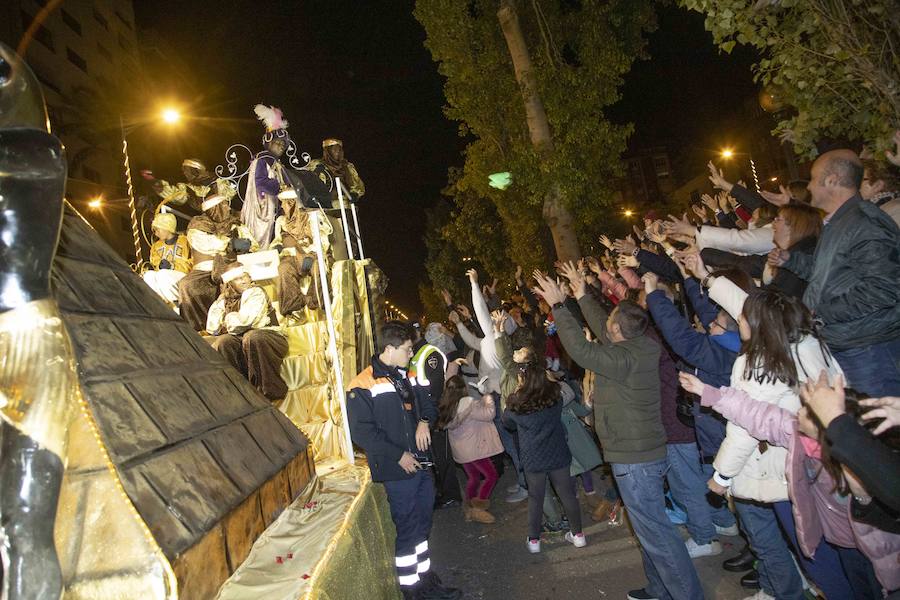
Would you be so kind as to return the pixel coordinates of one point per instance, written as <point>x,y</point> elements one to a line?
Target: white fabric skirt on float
<point>165,283</point>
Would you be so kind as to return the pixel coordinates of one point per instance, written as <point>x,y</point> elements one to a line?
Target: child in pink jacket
<point>819,510</point>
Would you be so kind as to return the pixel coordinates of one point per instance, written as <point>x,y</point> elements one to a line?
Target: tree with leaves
<point>578,53</point>
<point>835,63</point>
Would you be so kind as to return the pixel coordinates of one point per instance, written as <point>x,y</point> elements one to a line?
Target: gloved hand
<point>164,264</point>
<point>239,245</point>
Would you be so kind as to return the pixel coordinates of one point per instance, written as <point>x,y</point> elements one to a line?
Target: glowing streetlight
<point>773,179</point>
<point>628,213</point>
<point>171,116</point>
<point>95,203</point>
<point>727,153</point>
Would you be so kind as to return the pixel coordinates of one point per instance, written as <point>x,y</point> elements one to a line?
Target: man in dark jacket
<point>853,276</point>
<point>628,421</point>
<point>389,417</point>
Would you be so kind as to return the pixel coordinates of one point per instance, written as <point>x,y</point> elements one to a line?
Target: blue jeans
<point>509,443</point>
<point>688,485</point>
<point>825,569</point>
<point>860,573</point>
<point>872,370</point>
<point>721,516</point>
<point>778,575</point>
<point>670,572</point>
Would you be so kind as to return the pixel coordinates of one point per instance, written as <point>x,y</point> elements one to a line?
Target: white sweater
<point>760,475</point>
<point>736,241</point>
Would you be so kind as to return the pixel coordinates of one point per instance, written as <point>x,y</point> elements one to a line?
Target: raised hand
<point>519,280</point>
<point>654,232</point>
<point>709,202</point>
<point>453,317</point>
<point>694,264</point>
<point>679,226</point>
<point>549,290</point>
<point>699,211</point>
<point>887,408</point>
<point>493,287</point>
<point>576,279</point>
<point>638,232</point>
<point>780,199</point>
<point>592,263</point>
<point>724,201</point>
<point>650,281</point>
<point>627,260</point>
<point>690,383</point>
<point>717,177</point>
<point>448,299</point>
<point>625,246</point>
<point>826,401</point>
<point>605,241</point>
<point>894,157</point>
<point>498,317</point>
<point>464,312</point>
<point>472,274</point>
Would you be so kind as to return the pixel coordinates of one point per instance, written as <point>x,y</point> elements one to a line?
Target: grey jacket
<point>854,277</point>
<point>627,414</point>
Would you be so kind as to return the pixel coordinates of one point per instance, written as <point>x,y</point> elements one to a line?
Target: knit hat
<point>165,221</point>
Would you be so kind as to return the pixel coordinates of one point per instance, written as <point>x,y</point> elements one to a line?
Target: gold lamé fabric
<point>104,548</point>
<point>37,373</point>
<point>335,542</point>
<point>312,400</point>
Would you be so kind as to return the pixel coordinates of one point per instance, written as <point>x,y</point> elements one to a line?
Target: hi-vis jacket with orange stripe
<point>382,422</point>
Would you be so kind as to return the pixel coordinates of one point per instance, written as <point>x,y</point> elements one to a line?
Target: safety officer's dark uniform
<point>384,407</point>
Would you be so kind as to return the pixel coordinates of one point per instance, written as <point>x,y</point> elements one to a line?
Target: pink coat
<point>817,511</point>
<point>472,432</point>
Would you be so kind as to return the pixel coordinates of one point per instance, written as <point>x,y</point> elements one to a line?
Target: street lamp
<point>170,116</point>
<point>95,203</point>
<point>628,213</point>
<point>727,153</point>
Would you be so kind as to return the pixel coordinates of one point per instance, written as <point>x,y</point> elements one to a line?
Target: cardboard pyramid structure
<point>176,464</point>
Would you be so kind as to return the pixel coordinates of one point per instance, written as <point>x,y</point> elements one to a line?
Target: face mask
<point>730,340</point>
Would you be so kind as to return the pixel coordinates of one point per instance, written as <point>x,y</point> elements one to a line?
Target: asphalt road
<point>490,562</point>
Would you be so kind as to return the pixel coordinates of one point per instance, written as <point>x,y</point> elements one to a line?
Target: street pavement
<point>490,562</point>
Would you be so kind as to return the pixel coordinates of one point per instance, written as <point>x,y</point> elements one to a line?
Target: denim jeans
<point>778,575</point>
<point>670,572</point>
<point>721,516</point>
<point>509,444</point>
<point>872,370</point>
<point>688,486</point>
<point>825,570</point>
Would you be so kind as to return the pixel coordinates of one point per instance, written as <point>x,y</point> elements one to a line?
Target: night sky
<point>358,71</point>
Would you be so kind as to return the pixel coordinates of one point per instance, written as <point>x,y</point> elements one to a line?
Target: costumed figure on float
<point>266,176</point>
<point>170,258</point>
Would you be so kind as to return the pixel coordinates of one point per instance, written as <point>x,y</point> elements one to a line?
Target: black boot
<point>741,562</point>
<point>751,580</point>
<point>433,589</point>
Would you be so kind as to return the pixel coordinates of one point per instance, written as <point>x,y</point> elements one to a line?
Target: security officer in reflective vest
<point>428,366</point>
<point>389,415</point>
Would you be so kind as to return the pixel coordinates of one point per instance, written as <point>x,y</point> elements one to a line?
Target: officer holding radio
<point>389,415</point>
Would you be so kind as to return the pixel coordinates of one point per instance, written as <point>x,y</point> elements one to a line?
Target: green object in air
<point>501,181</point>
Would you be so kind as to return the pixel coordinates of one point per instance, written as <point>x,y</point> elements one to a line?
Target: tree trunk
<point>556,214</point>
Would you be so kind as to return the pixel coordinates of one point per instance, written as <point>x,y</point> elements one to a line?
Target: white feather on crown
<point>271,117</point>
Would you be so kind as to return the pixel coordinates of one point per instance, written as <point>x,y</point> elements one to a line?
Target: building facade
<point>84,53</point>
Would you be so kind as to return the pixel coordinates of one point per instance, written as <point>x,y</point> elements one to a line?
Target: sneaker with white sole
<point>513,488</point>
<point>695,550</point>
<point>640,594</point>
<point>518,496</point>
<point>534,546</point>
<point>732,531</point>
<point>576,539</point>
<point>760,595</point>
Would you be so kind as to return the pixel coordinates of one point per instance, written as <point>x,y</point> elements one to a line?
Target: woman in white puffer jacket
<point>779,351</point>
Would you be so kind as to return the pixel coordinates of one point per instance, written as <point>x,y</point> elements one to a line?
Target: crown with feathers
<point>271,117</point>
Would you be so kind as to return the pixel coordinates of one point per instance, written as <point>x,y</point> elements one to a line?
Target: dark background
<point>358,71</point>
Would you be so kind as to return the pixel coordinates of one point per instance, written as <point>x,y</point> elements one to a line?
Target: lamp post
<point>170,116</point>
<point>728,153</point>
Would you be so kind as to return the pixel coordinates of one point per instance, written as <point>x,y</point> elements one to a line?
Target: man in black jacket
<point>389,417</point>
<point>853,276</point>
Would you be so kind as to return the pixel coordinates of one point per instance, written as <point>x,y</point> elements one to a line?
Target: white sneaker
<point>534,546</point>
<point>576,539</point>
<point>517,496</point>
<point>695,550</point>
<point>732,531</point>
<point>512,489</point>
<point>760,595</point>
